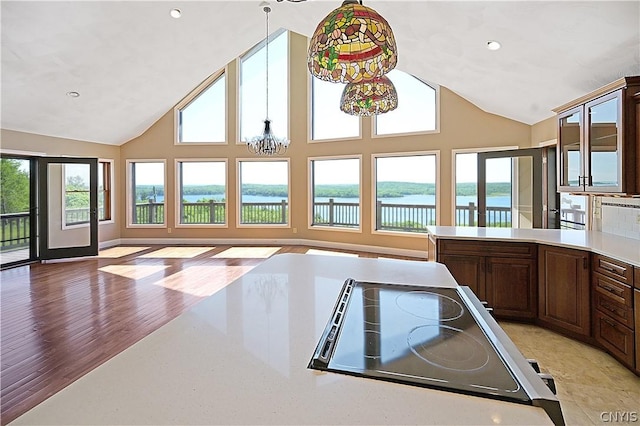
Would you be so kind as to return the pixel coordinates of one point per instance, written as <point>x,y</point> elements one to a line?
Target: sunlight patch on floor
<point>247,253</point>
<point>330,253</point>
<point>116,252</point>
<point>203,281</point>
<point>177,252</point>
<point>134,272</point>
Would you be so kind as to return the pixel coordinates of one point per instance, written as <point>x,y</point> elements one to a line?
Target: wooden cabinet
<point>502,273</point>
<point>636,305</point>
<point>563,290</point>
<point>636,296</point>
<point>613,313</point>
<point>599,140</point>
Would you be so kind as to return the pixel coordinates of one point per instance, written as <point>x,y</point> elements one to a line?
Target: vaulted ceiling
<point>131,62</point>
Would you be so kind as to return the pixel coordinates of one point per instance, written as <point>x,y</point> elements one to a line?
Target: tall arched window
<point>417,110</point>
<point>253,91</point>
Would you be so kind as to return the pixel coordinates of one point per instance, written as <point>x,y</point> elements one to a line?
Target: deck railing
<point>15,227</point>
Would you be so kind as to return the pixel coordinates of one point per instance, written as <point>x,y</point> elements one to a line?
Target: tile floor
<point>592,386</point>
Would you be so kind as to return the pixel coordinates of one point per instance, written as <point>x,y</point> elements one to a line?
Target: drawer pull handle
<point>611,323</point>
<point>609,308</point>
<point>612,268</point>
<point>610,289</point>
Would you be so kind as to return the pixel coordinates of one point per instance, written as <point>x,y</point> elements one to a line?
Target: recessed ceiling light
<point>73,94</point>
<point>175,13</point>
<point>493,45</point>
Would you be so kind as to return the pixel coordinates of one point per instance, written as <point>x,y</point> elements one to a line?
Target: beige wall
<point>462,125</point>
<point>29,143</point>
<point>544,131</point>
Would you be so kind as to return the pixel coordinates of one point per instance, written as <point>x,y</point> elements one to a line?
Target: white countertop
<point>624,249</point>
<point>241,355</point>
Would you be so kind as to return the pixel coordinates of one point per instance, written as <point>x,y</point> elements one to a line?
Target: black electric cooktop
<point>423,336</point>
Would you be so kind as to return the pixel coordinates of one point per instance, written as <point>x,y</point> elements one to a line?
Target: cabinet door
<point>467,270</point>
<point>570,149</point>
<point>563,298</point>
<point>603,143</point>
<point>636,294</point>
<point>511,287</point>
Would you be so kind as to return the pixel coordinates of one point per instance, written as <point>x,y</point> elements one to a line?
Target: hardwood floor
<point>61,320</point>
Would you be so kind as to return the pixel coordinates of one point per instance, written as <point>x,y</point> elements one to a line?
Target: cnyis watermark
<point>619,416</point>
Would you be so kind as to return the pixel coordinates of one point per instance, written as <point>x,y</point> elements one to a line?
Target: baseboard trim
<point>283,242</point>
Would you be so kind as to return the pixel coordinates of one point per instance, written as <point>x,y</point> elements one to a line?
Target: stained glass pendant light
<point>353,43</point>
<point>369,97</point>
<point>267,143</point>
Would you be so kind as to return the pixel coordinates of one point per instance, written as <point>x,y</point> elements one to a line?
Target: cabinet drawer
<point>621,313</point>
<point>636,279</point>
<point>613,268</point>
<point>613,290</point>
<point>615,337</point>
<point>487,248</point>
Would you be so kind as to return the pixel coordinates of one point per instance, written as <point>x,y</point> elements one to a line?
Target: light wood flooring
<point>61,320</point>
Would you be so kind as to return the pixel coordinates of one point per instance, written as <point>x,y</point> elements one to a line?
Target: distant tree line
<point>384,190</point>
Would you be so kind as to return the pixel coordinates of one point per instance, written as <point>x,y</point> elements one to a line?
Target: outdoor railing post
<point>284,211</point>
<point>472,211</point>
<point>152,212</point>
<point>212,212</point>
<point>379,215</point>
<point>330,211</point>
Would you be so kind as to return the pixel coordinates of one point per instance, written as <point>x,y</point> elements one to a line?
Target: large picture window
<point>417,107</point>
<point>264,192</point>
<point>201,117</point>
<point>335,196</point>
<point>252,88</point>
<point>405,192</point>
<point>146,183</point>
<point>327,121</point>
<point>202,192</point>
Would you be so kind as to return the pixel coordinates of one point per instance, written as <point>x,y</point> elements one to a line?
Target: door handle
<point>554,211</point>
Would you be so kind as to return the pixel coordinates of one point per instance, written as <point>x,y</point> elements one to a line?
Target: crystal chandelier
<point>369,97</point>
<point>267,143</point>
<point>353,43</point>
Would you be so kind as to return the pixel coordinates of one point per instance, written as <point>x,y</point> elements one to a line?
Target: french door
<point>510,188</point>
<point>67,207</point>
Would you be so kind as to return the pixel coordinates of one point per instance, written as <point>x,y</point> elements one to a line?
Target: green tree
<point>14,187</point>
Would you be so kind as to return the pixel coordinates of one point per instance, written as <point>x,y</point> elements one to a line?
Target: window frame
<point>454,152</point>
<point>108,189</point>
<point>436,88</point>
<point>178,191</point>
<point>374,184</point>
<point>310,194</point>
<point>310,139</point>
<point>192,96</point>
<point>128,194</point>
<point>274,35</point>
<point>63,188</point>
<point>239,223</point>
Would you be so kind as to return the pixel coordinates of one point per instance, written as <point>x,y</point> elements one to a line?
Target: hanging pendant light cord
<point>267,9</point>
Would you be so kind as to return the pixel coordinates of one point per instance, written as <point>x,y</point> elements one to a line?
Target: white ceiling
<point>132,62</point>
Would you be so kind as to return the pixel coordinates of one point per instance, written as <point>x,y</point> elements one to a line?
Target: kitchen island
<point>241,356</point>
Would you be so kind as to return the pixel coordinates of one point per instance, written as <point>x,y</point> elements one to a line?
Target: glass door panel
<point>510,188</point>
<point>570,141</point>
<point>68,200</point>
<point>604,135</point>
<point>17,215</point>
